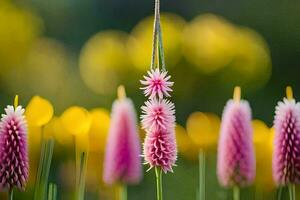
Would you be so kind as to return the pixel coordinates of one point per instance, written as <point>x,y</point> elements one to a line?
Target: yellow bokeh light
<point>140,43</point>
<point>263,150</point>
<point>39,111</point>
<point>208,43</point>
<point>44,72</point>
<point>203,129</point>
<point>186,146</point>
<point>99,129</point>
<point>18,29</point>
<point>76,120</point>
<point>102,60</point>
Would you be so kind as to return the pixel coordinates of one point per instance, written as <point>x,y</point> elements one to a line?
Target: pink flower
<point>160,149</point>
<point>236,160</point>
<point>13,149</point>
<point>157,83</point>
<point>158,114</point>
<point>286,155</point>
<point>123,150</point>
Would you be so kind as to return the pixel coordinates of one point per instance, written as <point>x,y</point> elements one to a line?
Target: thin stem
<point>11,194</point>
<point>201,175</point>
<point>159,192</point>
<point>155,31</point>
<point>292,192</point>
<point>123,192</point>
<point>80,191</point>
<point>279,193</point>
<point>236,193</point>
<point>40,167</point>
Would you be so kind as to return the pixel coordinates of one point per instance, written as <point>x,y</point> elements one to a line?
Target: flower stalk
<point>201,190</point>
<point>159,188</point>
<point>236,193</point>
<point>158,113</point>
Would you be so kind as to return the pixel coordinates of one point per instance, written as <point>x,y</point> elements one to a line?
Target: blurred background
<point>74,52</point>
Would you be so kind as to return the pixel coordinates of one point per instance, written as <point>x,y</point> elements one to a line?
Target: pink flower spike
<point>13,149</point>
<point>286,155</point>
<point>122,156</point>
<point>158,114</point>
<point>236,159</point>
<point>160,149</point>
<point>157,84</point>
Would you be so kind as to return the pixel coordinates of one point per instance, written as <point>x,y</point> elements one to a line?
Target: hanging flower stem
<point>159,192</point>
<point>201,175</point>
<point>292,192</point>
<point>236,193</point>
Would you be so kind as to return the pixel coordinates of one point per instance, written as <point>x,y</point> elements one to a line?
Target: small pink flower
<point>157,83</point>
<point>158,114</point>
<point>160,149</point>
<point>236,159</point>
<point>123,149</point>
<point>13,149</point>
<point>286,155</point>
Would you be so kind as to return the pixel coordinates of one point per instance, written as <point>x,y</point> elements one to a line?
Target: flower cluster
<point>122,156</point>
<point>158,120</point>
<point>13,149</point>
<point>236,160</point>
<point>286,156</point>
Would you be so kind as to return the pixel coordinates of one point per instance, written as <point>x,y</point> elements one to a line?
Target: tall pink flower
<point>157,84</point>
<point>286,155</point>
<point>158,120</point>
<point>236,160</point>
<point>122,157</point>
<point>13,149</point>
<point>158,114</point>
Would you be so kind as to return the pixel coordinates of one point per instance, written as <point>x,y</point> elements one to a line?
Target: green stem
<point>52,191</point>
<point>292,192</point>
<point>80,191</point>
<point>201,175</point>
<point>159,192</point>
<point>40,167</point>
<point>236,193</point>
<point>11,194</point>
<point>279,193</point>
<point>123,192</point>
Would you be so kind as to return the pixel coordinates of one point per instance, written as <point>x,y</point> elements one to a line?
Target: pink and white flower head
<point>158,114</point>
<point>160,149</point>
<point>236,160</point>
<point>286,155</point>
<point>13,149</point>
<point>122,156</point>
<point>157,84</point>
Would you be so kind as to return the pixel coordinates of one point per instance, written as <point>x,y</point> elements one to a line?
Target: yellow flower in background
<point>39,111</point>
<point>211,43</point>
<point>208,42</point>
<point>140,43</point>
<point>262,138</point>
<point>186,146</point>
<point>60,133</point>
<point>99,129</point>
<point>103,59</point>
<point>252,61</point>
<point>76,120</point>
<point>46,71</point>
<point>203,129</point>
<point>18,29</point>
